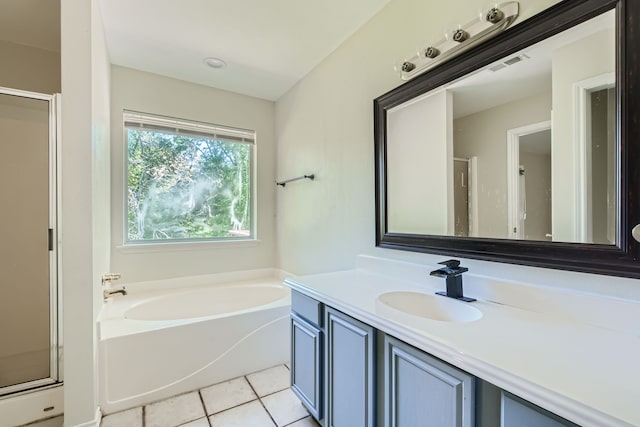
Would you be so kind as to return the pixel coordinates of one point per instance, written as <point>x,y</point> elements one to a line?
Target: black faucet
<point>452,272</point>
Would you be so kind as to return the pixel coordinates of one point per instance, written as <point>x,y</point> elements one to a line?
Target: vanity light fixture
<point>494,15</point>
<point>460,35</point>
<point>215,63</point>
<point>431,52</point>
<point>480,29</point>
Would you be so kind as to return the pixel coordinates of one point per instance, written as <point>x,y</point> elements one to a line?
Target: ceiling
<point>499,83</point>
<point>268,45</point>
<point>34,23</point>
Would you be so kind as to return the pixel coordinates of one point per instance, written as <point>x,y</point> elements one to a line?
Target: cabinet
<point>499,408</point>
<point>518,412</point>
<point>306,352</point>
<point>348,374</point>
<point>350,371</point>
<point>422,390</point>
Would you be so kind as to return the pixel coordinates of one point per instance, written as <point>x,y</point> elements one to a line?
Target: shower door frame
<point>55,288</point>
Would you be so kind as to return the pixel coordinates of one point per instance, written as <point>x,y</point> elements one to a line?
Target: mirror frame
<point>620,259</point>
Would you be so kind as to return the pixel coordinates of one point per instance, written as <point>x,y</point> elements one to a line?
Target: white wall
<point>572,64</point>
<point>151,93</point>
<point>84,242</point>
<point>325,125</point>
<point>415,205</point>
<point>29,68</point>
<point>484,134</point>
<point>101,167</point>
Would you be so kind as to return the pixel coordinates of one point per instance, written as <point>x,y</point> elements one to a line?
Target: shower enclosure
<point>29,305</point>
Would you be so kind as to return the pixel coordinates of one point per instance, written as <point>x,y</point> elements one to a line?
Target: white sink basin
<point>431,307</point>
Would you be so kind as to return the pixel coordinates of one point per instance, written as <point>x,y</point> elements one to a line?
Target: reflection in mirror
<point>524,148</point>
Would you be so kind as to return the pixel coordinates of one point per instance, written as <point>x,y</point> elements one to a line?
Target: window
<point>187,181</point>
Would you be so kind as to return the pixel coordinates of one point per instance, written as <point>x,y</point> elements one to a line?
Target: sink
<point>426,306</point>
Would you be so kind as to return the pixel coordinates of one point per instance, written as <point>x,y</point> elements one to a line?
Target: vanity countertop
<point>562,360</point>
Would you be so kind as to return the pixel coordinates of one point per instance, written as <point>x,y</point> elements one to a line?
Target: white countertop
<point>575,363</point>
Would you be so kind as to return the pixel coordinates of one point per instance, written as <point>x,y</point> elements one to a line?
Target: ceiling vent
<point>511,61</point>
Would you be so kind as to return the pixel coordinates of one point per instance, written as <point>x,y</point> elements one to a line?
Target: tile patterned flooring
<point>49,422</point>
<point>261,399</point>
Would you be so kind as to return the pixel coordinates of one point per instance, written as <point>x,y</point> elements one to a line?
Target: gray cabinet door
<point>422,391</point>
<point>306,364</point>
<point>520,413</point>
<point>350,371</point>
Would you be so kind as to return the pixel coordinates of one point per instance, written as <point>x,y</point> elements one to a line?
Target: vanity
<point>518,149</point>
<point>534,357</point>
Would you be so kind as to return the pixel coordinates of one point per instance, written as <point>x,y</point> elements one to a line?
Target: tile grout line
<point>206,414</point>
<point>235,405</point>
<point>258,397</point>
<point>293,422</point>
<point>260,400</point>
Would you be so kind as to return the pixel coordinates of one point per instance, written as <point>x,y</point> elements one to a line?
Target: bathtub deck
<point>261,399</point>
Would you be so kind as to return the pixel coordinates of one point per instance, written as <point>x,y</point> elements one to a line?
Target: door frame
<point>582,112</point>
<point>55,282</point>
<point>513,173</point>
<point>472,193</point>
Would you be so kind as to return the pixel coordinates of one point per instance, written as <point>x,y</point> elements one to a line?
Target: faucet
<point>108,293</point>
<point>452,272</point>
<point>107,278</point>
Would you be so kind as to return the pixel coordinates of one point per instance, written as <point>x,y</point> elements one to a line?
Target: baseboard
<point>95,422</point>
<point>33,406</point>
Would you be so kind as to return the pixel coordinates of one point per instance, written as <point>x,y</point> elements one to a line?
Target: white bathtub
<point>159,343</point>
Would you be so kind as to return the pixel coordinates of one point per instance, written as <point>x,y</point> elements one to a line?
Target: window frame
<point>248,137</point>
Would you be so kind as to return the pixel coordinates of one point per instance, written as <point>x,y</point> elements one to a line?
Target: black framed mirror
<point>522,149</point>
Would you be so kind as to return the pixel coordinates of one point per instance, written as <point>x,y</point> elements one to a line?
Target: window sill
<point>185,246</point>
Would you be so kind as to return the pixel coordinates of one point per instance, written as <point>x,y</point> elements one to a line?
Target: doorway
<point>596,196</point>
<point>29,315</point>
<point>529,182</point>
<point>461,196</point>
<point>465,194</point>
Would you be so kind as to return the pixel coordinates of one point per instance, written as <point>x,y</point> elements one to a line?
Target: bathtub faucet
<point>108,293</point>
<point>107,278</point>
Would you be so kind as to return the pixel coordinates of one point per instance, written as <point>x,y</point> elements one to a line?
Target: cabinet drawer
<point>307,308</point>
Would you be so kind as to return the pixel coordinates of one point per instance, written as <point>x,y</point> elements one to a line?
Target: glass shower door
<point>28,277</point>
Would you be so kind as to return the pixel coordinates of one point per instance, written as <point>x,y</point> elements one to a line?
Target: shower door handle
<point>50,239</point>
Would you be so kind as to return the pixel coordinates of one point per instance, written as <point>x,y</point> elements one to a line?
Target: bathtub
<point>159,340</point>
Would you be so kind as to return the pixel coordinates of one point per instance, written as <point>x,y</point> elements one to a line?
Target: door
<point>420,390</point>
<point>28,307</point>
<point>529,182</point>
<point>350,369</point>
<point>306,364</point>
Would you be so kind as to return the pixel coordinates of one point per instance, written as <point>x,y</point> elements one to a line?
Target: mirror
<point>516,150</point>
<point>487,139</point>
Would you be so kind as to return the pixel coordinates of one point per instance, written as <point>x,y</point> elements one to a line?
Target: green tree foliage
<point>184,187</point>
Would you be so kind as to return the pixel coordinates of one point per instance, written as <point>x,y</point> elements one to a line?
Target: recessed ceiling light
<point>214,62</point>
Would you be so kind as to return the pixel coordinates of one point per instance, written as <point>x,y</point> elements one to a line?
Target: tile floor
<point>261,399</point>
<point>49,422</point>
